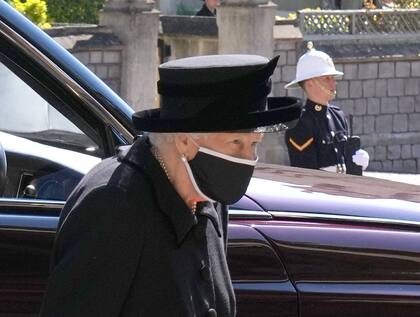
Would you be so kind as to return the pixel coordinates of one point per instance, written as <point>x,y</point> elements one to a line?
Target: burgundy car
<point>301,242</point>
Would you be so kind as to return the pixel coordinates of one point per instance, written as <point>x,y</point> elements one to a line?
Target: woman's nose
<point>250,153</point>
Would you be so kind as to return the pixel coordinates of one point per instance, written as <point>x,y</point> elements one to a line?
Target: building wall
<point>384,102</point>
<point>96,47</point>
<point>104,62</point>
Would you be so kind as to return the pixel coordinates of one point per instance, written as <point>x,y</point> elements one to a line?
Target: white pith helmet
<point>313,64</point>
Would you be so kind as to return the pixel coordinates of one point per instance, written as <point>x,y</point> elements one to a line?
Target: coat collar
<point>205,11</point>
<point>170,203</point>
<point>208,210</point>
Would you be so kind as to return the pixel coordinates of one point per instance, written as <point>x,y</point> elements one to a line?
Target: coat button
<point>205,272</point>
<point>211,313</point>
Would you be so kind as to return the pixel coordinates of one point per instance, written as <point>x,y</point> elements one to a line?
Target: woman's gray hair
<point>158,139</point>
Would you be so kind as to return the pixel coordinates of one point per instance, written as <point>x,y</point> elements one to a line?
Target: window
<point>46,154</point>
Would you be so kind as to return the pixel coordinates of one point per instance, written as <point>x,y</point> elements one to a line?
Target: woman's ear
<point>185,145</point>
<point>181,142</point>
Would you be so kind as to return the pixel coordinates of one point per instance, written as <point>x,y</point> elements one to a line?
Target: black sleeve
<point>344,122</point>
<point>301,144</point>
<point>97,252</point>
<point>346,125</point>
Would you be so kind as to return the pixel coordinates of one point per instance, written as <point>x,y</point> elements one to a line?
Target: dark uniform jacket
<point>319,138</point>
<point>205,12</point>
<point>128,245</point>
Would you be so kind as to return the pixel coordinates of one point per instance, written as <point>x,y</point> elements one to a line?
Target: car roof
<point>285,188</point>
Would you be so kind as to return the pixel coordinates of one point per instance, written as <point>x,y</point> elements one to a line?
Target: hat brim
<point>295,83</point>
<point>282,112</point>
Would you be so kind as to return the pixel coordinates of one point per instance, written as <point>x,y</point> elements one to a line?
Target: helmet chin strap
<point>325,89</point>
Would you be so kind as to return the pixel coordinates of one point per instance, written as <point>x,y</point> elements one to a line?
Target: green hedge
<point>408,3</point>
<point>74,11</point>
<point>403,4</point>
<point>34,10</point>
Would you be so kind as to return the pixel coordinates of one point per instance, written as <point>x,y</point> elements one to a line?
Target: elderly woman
<point>144,233</point>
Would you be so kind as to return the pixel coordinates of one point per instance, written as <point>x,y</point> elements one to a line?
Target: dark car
<point>301,242</point>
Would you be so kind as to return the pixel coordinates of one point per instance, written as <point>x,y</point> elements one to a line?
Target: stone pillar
<point>136,23</point>
<point>246,27</point>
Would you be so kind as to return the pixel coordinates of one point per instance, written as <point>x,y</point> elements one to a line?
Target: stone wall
<point>382,98</point>
<point>187,36</point>
<point>94,46</point>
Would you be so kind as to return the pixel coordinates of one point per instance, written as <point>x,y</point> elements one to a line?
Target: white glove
<point>361,158</point>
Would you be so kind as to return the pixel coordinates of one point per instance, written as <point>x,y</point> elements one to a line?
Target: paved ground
<point>403,178</point>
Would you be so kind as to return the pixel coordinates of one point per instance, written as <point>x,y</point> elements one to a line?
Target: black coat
<point>128,245</point>
<point>319,138</point>
<point>205,12</point>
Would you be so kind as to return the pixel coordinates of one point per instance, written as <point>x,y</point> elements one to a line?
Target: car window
<point>45,153</point>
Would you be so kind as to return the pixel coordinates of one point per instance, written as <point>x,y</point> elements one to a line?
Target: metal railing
<point>339,24</point>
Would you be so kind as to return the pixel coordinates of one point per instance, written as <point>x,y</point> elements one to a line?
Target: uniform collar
<point>316,107</point>
<point>169,201</point>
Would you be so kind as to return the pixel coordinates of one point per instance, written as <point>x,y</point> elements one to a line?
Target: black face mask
<point>219,177</point>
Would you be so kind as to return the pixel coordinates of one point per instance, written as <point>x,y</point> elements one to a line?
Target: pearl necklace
<point>156,153</point>
<point>193,207</point>
<point>162,164</point>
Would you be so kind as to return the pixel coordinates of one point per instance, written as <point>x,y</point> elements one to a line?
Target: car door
<point>52,131</point>
<point>349,266</point>
<point>262,285</point>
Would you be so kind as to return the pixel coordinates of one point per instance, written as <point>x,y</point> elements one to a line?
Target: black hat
<point>218,93</point>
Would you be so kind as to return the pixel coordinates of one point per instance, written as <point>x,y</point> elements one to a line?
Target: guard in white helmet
<point>321,139</point>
